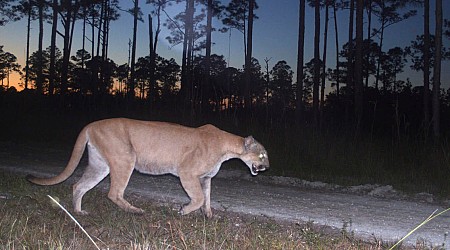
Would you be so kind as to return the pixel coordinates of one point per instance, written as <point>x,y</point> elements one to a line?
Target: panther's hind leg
<point>95,172</point>
<point>121,170</point>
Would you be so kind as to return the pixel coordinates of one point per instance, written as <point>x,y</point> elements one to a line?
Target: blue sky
<point>275,36</point>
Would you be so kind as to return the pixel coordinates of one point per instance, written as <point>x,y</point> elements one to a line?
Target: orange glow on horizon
<point>14,81</point>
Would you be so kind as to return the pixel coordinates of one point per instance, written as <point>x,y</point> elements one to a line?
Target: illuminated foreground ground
<point>366,211</point>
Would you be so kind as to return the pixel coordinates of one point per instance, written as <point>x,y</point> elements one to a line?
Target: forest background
<point>350,118</point>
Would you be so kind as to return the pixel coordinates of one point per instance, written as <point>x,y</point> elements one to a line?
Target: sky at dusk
<point>275,37</point>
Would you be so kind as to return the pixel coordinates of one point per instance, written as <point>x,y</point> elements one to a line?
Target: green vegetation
<point>409,165</point>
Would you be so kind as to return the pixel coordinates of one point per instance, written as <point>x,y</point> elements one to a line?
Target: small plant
<point>346,230</point>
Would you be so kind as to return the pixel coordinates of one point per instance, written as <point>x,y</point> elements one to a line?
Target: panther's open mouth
<point>255,169</point>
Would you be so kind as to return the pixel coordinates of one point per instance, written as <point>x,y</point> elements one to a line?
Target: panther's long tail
<point>75,158</point>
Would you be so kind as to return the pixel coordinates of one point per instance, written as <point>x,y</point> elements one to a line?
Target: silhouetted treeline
<point>361,92</point>
<point>387,113</point>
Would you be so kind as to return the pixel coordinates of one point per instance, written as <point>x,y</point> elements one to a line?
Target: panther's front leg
<point>206,186</point>
<point>193,188</point>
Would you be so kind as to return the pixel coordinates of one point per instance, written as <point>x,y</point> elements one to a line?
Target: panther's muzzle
<point>258,168</point>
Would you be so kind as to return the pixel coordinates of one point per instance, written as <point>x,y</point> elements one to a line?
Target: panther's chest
<point>213,171</point>
<point>216,167</point>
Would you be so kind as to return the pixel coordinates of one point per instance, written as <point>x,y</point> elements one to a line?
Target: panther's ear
<point>248,142</point>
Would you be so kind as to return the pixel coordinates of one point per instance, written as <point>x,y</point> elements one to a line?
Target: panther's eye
<point>262,156</point>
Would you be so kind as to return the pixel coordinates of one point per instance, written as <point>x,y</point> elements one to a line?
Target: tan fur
<point>118,146</point>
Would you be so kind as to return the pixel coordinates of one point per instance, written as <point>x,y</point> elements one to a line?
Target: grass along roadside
<point>30,220</point>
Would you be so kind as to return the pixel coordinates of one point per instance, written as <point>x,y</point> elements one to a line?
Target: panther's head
<point>255,156</point>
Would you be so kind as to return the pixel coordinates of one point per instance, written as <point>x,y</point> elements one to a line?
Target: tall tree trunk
<point>74,12</point>
<point>359,64</point>
<point>151,55</point>
<point>380,55</point>
<point>52,77</point>
<point>100,24</point>
<point>369,27</point>
<point>437,70</point>
<point>316,77</point>
<point>157,31</point>
<point>244,31</point>
<point>40,76</point>
<point>104,72</point>
<point>189,54</point>
<point>105,32</point>
<point>248,58</point>
<point>426,64</point>
<point>380,51</point>
<point>93,36</point>
<point>83,41</point>
<point>27,67</point>
<point>266,60</point>
<point>209,14</point>
<point>153,47</point>
<point>350,45</point>
<point>186,88</point>
<point>350,63</point>
<point>131,92</point>
<point>150,34</point>
<point>300,60</point>
<point>336,41</point>
<point>324,59</point>
<point>66,49</point>
<point>208,36</point>
<point>93,73</point>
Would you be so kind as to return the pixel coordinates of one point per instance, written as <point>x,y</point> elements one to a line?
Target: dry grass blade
<point>430,217</point>
<point>73,218</point>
